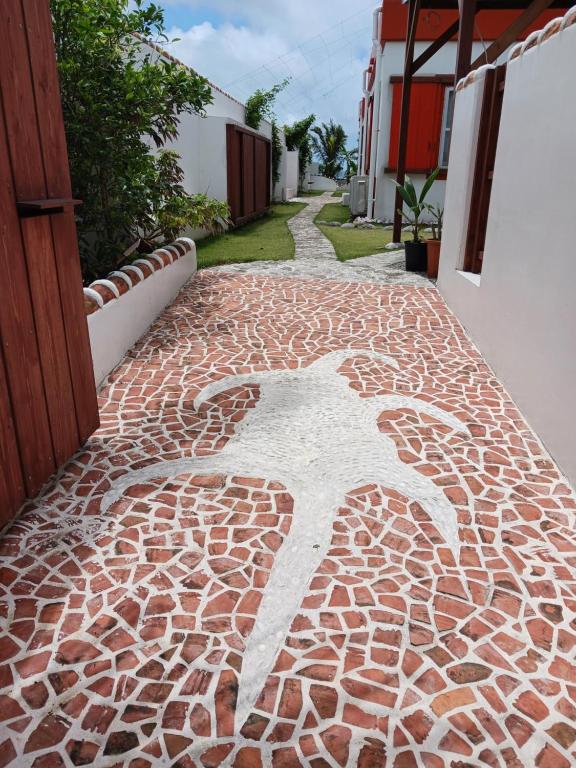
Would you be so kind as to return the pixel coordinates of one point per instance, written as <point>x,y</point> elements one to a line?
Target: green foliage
<point>350,157</point>
<point>277,149</point>
<point>118,103</point>
<point>356,242</point>
<point>259,105</point>
<point>415,204</point>
<point>176,209</point>
<point>298,138</point>
<point>437,213</point>
<point>329,144</point>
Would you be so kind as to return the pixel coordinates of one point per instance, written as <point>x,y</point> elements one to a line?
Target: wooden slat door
<point>249,173</point>
<point>48,402</point>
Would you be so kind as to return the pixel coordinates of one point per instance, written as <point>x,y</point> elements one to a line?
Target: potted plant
<point>433,245</point>
<point>415,206</point>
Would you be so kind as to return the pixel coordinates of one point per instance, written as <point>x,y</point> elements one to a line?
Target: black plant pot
<point>416,260</point>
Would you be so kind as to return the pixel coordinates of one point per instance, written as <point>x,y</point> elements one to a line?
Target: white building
<point>431,99</point>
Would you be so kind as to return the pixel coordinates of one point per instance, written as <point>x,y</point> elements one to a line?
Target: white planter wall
<point>117,326</point>
<point>521,311</point>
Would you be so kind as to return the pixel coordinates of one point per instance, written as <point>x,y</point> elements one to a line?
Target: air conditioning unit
<point>359,195</point>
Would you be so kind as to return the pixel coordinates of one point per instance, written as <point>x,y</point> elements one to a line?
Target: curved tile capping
<point>102,291</point>
<point>122,306</point>
<point>536,38</point>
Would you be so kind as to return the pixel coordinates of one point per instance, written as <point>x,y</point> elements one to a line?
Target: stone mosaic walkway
<point>313,531</point>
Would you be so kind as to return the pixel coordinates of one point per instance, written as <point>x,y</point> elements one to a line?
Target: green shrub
<point>259,105</point>
<point>298,138</point>
<point>119,103</point>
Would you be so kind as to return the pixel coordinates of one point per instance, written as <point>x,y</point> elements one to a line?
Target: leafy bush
<point>298,138</point>
<point>259,105</point>
<point>119,103</point>
<point>176,209</point>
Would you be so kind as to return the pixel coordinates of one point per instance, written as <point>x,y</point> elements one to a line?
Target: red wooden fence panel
<point>249,174</point>
<point>48,391</point>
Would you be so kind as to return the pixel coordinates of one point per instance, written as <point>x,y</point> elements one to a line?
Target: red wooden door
<point>249,174</point>
<point>48,404</point>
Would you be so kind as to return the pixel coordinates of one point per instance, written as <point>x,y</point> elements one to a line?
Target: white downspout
<point>377,88</point>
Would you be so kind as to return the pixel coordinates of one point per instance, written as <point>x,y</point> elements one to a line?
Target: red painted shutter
<point>426,107</point>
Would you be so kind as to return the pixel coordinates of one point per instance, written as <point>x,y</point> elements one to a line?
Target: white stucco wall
<point>118,325</point>
<point>287,186</point>
<point>292,174</point>
<point>322,183</point>
<point>521,311</point>
<point>201,143</point>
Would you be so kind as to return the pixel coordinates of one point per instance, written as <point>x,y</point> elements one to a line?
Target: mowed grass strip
<point>267,239</point>
<point>353,243</point>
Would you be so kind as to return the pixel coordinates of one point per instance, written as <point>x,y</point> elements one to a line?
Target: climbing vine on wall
<point>298,138</point>
<point>277,149</point>
<point>259,105</point>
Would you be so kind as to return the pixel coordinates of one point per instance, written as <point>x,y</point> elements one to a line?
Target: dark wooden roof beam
<point>434,47</point>
<point>512,33</point>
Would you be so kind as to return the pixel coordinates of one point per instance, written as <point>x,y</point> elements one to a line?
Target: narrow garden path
<point>310,242</point>
<point>312,530</point>
<point>315,257</point>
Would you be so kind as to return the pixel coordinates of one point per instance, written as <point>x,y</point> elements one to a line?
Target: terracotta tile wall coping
<point>119,282</point>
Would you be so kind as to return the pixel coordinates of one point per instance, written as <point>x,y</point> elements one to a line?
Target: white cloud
<point>322,45</point>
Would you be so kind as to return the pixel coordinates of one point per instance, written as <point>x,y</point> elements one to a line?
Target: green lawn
<point>352,243</point>
<point>334,212</point>
<point>267,239</point>
<point>338,193</point>
<point>311,193</point>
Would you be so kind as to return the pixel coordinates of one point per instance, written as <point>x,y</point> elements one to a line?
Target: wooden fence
<point>48,404</point>
<point>249,173</point>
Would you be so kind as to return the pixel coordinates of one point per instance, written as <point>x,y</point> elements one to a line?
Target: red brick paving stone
<point>7,753</point>
<point>248,757</point>
<point>135,623</point>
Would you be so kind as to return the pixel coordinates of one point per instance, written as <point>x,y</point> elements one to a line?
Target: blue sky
<point>241,45</point>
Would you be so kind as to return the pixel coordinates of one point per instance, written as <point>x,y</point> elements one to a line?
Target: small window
<point>446,134</point>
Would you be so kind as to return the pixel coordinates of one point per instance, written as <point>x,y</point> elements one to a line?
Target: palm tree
<point>350,157</point>
<point>329,143</point>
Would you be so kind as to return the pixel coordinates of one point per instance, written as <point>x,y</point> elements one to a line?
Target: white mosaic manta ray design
<point>313,433</point>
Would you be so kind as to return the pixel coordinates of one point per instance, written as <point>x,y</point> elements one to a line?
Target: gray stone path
<point>311,243</point>
<point>316,259</point>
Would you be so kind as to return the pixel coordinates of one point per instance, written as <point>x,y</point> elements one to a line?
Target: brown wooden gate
<point>249,173</point>
<point>48,404</point>
<point>484,168</point>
